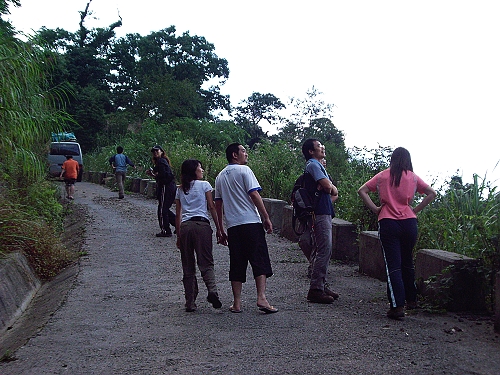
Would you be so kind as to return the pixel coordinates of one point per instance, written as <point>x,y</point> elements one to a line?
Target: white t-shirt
<point>232,185</point>
<point>195,202</point>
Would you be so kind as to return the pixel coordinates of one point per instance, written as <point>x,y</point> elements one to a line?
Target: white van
<point>57,156</point>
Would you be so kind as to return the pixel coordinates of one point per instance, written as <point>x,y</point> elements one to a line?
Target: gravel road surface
<point>123,313</point>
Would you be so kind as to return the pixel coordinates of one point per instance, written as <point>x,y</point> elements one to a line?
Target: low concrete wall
<point>460,289</point>
<point>135,187</point>
<point>371,258</point>
<point>151,189</point>
<point>497,303</point>
<point>286,224</point>
<point>275,208</point>
<point>19,285</point>
<point>344,241</point>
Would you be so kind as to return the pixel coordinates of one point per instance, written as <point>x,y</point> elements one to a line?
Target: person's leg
<point>236,287</point>
<point>188,268</point>
<point>120,176</point>
<point>408,242</point>
<point>202,240</point>
<point>389,234</point>
<point>72,190</point>
<point>160,197</point>
<point>237,263</point>
<point>321,258</point>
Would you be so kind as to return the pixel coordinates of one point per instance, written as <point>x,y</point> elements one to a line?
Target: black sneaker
<point>319,296</point>
<point>190,306</point>
<point>213,298</point>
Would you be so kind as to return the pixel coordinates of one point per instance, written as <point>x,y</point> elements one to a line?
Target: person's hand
<point>268,226</point>
<point>222,238</point>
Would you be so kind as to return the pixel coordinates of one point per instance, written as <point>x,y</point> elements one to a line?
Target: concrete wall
<point>19,285</point>
<point>371,258</point>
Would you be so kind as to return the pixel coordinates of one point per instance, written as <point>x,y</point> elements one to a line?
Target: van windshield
<point>64,149</point>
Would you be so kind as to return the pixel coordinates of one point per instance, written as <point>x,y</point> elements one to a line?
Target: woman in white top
<point>193,200</point>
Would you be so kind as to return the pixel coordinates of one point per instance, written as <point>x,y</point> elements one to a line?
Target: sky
<point>422,75</point>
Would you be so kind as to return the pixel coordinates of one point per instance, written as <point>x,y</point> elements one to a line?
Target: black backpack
<point>305,196</point>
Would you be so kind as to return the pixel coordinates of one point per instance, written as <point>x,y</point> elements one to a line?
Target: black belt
<point>199,218</point>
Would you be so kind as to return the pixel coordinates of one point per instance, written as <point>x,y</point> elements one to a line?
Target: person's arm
<point>429,197</point>
<point>327,186</point>
<point>363,193</point>
<point>178,213</point>
<point>257,200</point>
<point>219,211</point>
<point>213,212</point>
<point>129,162</point>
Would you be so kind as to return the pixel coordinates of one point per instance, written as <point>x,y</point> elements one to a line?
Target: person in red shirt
<point>397,226</point>
<point>70,171</point>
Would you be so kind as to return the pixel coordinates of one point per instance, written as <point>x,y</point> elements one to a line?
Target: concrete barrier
<point>135,187</point>
<point>151,189</point>
<point>19,285</point>
<point>497,303</point>
<point>275,208</point>
<point>459,288</point>
<point>344,241</point>
<point>371,258</point>
<point>286,226</point>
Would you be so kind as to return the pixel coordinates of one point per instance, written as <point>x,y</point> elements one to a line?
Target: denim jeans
<point>398,238</point>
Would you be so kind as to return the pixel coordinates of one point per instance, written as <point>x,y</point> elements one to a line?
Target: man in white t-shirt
<point>237,197</point>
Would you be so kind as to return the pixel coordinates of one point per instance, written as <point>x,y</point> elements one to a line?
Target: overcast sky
<point>423,75</point>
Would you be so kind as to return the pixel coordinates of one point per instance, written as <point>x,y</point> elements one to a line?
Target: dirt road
<point>124,314</point>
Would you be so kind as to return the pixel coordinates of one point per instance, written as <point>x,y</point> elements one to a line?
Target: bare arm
<point>257,200</point>
<point>430,195</point>
<point>178,213</point>
<point>213,212</point>
<point>219,211</point>
<point>363,193</point>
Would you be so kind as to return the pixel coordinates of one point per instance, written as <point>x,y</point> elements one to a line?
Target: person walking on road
<point>237,197</point>
<point>119,163</point>
<point>165,190</point>
<point>193,200</point>
<point>316,241</point>
<point>397,226</point>
<point>69,171</point>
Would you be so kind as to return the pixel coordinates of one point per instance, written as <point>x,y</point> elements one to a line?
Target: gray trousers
<point>120,179</point>
<point>196,239</point>
<point>317,247</point>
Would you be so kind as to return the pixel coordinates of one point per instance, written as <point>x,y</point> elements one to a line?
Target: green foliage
<point>276,167</point>
<point>30,215</point>
<point>363,164</point>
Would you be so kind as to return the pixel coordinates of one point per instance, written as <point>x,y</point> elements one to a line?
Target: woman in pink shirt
<point>397,222</point>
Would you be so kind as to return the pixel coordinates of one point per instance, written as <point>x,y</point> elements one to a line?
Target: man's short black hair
<point>119,149</point>
<point>232,148</point>
<point>308,146</point>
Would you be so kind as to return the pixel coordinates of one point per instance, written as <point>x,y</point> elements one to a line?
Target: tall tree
<point>258,107</point>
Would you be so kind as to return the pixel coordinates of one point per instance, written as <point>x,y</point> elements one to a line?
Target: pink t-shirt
<point>396,201</point>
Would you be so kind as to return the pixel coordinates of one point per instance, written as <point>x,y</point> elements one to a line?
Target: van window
<point>64,149</point>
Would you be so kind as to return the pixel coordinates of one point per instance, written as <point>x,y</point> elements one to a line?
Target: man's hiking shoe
<point>164,233</point>
<point>331,293</point>
<point>396,312</point>
<point>319,296</point>
<point>213,298</point>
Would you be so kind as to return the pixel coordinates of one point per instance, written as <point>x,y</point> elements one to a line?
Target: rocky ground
<point>120,311</point>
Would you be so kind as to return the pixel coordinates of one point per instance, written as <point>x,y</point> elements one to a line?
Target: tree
<point>258,107</point>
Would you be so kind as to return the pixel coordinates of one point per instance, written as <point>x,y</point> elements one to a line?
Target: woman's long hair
<point>188,173</point>
<point>400,161</point>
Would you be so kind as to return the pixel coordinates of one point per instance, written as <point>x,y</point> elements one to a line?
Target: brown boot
<point>319,296</point>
